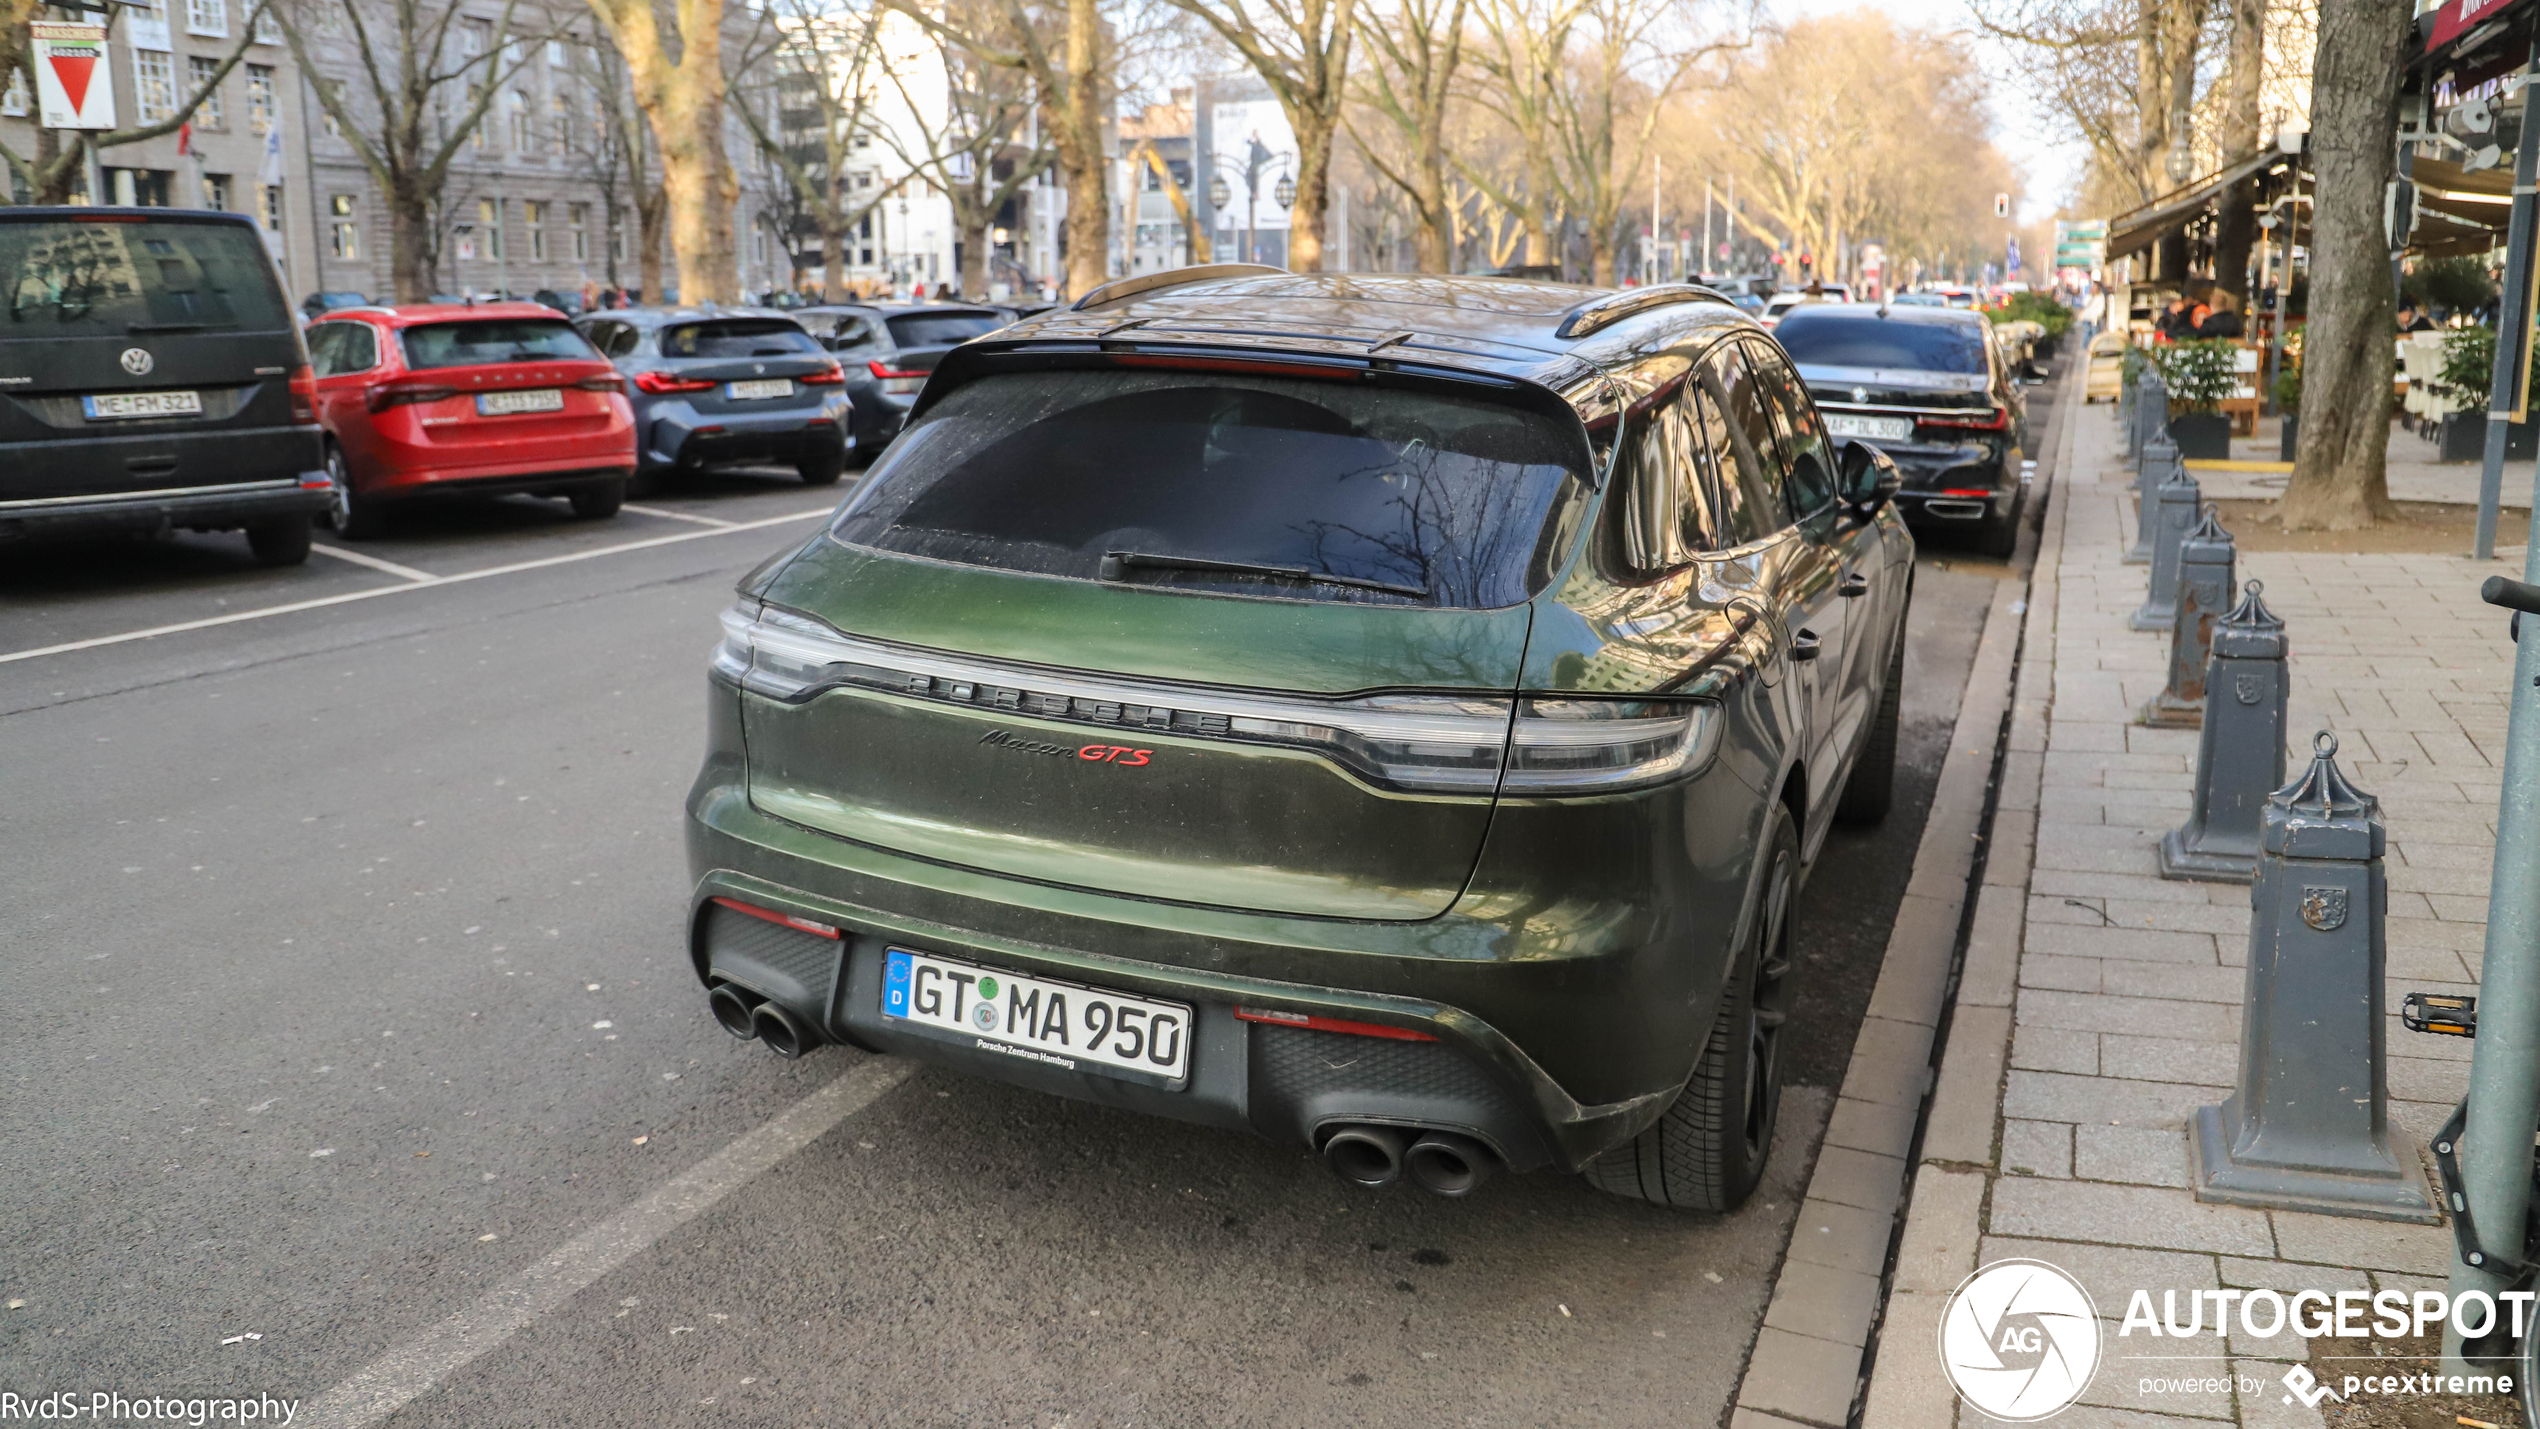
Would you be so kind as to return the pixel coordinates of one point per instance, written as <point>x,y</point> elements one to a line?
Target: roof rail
<point>1119,288</point>
<point>1597,314</point>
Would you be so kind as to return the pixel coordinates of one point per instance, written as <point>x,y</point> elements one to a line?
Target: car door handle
<point>1804,645</point>
<point>1854,583</point>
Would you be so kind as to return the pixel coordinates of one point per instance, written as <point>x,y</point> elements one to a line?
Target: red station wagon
<point>430,399</point>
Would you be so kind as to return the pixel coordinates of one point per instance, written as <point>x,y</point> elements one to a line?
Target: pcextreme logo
<point>2020,1339</point>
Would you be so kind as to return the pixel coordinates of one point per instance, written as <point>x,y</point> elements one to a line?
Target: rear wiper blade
<point>165,327</point>
<point>1117,564</point>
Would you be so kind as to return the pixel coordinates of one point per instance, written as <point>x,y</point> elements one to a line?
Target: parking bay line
<point>515,568</point>
<point>364,558</point>
<point>388,1383</point>
<point>674,515</point>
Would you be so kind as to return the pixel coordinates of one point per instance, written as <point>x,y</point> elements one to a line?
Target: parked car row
<point>157,378</point>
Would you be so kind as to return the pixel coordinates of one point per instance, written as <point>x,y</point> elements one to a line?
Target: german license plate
<point>1844,424</point>
<point>123,406</point>
<point>527,399</point>
<point>760,389</point>
<point>1081,1029</point>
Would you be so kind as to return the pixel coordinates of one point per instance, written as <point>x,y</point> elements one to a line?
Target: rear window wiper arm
<point>165,327</point>
<point>1117,564</point>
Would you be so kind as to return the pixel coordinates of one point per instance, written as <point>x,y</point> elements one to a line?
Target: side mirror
<point>1870,478</point>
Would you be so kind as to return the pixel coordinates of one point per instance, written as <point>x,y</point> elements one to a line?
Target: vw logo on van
<point>138,362</point>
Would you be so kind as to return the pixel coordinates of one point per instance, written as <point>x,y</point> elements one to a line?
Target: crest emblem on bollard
<point>2248,689</point>
<point>2324,908</point>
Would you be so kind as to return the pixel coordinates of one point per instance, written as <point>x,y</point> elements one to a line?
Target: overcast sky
<point>2026,132</point>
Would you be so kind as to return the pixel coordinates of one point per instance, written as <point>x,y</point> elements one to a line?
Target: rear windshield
<point>68,278</point>
<point>1866,340</point>
<point>1454,500</point>
<point>736,337</point>
<point>466,344</point>
<point>942,329</point>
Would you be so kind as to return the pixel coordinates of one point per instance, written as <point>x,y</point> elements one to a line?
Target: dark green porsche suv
<point>1386,713</point>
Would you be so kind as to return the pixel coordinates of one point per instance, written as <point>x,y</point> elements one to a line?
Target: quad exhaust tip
<point>1442,1163</point>
<point>731,1005</point>
<point>785,1034</point>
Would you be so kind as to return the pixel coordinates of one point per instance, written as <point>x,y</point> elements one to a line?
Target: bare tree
<point>1606,104</point>
<point>678,81</point>
<point>1524,50</point>
<point>824,67</point>
<point>2340,481</point>
<point>1300,49</point>
<point>613,153</point>
<point>54,169</point>
<point>974,155</point>
<point>1418,47</point>
<point>2242,82</point>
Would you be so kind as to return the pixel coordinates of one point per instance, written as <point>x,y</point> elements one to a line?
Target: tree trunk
<point>57,170</point>
<point>648,225</point>
<point>1080,155</point>
<point>2339,479</point>
<point>1313,195</point>
<point>970,225</point>
<point>2242,76</point>
<point>703,195</point>
<point>2234,236</point>
<point>410,266</point>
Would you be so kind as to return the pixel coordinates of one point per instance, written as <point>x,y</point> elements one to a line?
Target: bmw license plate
<point>1081,1029</point>
<point>759,389</point>
<point>123,406</point>
<point>527,399</point>
<point>1893,429</point>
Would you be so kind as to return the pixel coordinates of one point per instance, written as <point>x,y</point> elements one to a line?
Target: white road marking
<point>673,515</point>
<point>363,558</point>
<point>388,1383</point>
<point>515,568</point>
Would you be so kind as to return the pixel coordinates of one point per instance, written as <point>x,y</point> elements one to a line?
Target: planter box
<point>2464,439</point>
<point>2202,436</point>
<point>2292,431</point>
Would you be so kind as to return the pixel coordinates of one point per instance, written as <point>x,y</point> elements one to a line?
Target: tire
<point>599,500</point>
<point>822,470</point>
<point>1707,1151</point>
<point>280,542</point>
<point>1872,784</point>
<point>353,516</point>
<point>2000,535</point>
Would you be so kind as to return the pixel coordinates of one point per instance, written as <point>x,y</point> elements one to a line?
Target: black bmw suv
<point>152,376</point>
<point>1388,714</point>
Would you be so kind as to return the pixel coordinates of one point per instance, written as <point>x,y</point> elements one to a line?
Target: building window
<point>516,106</point>
<point>272,208</point>
<point>207,17</point>
<point>343,227</point>
<point>216,192</point>
<point>475,37</point>
<point>14,99</point>
<point>559,122</point>
<point>577,216</point>
<point>489,221</point>
<point>758,246</point>
<point>268,27</point>
<point>259,98</point>
<point>556,58</point>
<point>154,84</point>
<point>617,237</point>
<point>534,213</point>
<point>200,73</point>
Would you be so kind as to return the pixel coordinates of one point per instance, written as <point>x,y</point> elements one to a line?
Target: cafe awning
<point>2140,228</point>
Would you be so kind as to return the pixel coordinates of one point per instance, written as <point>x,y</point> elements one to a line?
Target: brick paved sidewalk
<point>2099,1006</point>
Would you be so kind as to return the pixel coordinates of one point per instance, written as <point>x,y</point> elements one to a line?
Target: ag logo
<point>2020,1339</point>
<point>2323,907</point>
<point>138,362</point>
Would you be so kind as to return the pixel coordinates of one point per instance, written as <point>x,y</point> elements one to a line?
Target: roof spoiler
<point>1597,314</point>
<point>1119,288</point>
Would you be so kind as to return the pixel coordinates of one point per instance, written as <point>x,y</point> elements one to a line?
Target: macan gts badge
<point>1490,658</point>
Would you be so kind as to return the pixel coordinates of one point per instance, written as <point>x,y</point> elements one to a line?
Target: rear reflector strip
<point>806,925</point>
<point>1328,1024</point>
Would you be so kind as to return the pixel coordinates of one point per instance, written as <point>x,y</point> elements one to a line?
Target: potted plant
<point>2200,375</point>
<point>2468,377</point>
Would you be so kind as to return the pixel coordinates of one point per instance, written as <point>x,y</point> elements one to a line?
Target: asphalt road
<point>345,996</point>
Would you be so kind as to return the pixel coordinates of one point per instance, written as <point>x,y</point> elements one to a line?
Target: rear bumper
<point>495,479</point>
<point>1563,1026</point>
<point>201,508</point>
<point>676,434</point>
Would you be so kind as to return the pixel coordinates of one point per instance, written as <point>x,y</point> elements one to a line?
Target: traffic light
<point>2001,205</point>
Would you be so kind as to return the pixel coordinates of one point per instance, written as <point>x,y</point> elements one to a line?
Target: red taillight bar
<point>805,925</point>
<point>1332,1024</point>
<point>398,394</point>
<point>605,382</point>
<point>879,368</point>
<point>1993,420</point>
<point>830,376</point>
<point>664,382</point>
<point>303,394</point>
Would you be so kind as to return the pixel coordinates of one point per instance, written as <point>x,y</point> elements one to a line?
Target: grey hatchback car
<point>1386,714</point>
<point>723,386</point>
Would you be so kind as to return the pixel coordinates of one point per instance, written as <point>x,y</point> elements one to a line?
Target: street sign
<point>74,85</point>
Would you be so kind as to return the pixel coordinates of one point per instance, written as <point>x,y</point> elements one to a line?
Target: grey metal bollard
<point>2129,428</point>
<point>2160,461</point>
<point>2240,759</point>
<point>2174,512</point>
<point>2308,1127</point>
<point>2206,558</point>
